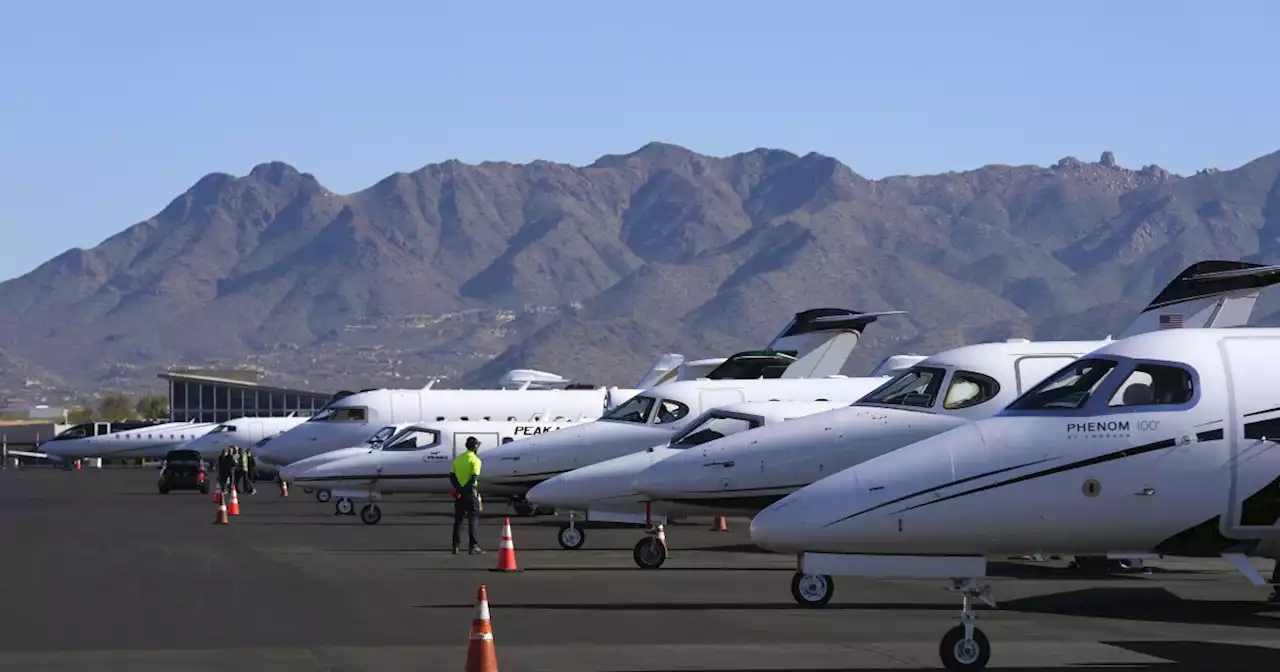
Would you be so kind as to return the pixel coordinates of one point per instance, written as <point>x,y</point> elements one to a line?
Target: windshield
<point>917,386</point>
<point>636,409</point>
<point>714,427</point>
<point>1069,389</point>
<point>413,438</point>
<point>223,428</point>
<point>77,432</point>
<point>343,414</point>
<point>381,436</point>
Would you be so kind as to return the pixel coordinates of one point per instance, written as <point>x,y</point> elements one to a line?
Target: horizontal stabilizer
<point>823,339</point>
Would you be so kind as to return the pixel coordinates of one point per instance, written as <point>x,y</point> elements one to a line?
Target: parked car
<point>184,470</point>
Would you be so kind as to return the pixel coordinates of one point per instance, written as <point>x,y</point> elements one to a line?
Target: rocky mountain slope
<point>466,271</point>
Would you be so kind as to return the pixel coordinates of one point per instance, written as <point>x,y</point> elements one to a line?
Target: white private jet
<point>747,472</point>
<point>1159,444</point>
<point>244,432</point>
<point>140,440</point>
<point>417,459</point>
<point>827,336</point>
<point>605,487</point>
<point>352,419</point>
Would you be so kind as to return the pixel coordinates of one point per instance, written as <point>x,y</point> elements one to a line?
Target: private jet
<point>606,486</point>
<point>744,473</point>
<point>147,440</point>
<point>350,420</point>
<point>245,432</point>
<point>417,459</point>
<point>1161,443</point>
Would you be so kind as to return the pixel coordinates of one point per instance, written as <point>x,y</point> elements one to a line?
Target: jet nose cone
<point>553,492</point>
<point>784,527</point>
<point>666,478</point>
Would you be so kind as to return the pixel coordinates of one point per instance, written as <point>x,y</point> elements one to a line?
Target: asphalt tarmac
<point>102,573</point>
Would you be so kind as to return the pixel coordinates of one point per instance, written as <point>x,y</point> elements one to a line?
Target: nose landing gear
<point>965,647</point>
<point>812,590</point>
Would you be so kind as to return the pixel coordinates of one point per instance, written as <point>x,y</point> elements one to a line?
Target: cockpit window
<point>223,428</point>
<point>1154,385</point>
<point>1069,388</point>
<point>670,410</point>
<point>413,439</point>
<point>381,436</point>
<point>78,432</point>
<point>712,428</point>
<point>343,414</point>
<point>636,409</point>
<point>917,386</point>
<point>969,389</point>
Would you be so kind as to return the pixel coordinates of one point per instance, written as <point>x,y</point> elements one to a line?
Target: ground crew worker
<point>226,469</point>
<point>237,461</point>
<point>465,476</point>
<point>246,461</point>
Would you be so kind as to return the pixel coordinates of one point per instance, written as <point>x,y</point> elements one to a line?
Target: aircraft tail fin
<point>1207,294</point>
<point>823,339</point>
<point>665,369</point>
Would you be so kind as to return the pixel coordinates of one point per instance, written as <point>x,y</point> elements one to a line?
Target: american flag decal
<point>1171,321</point>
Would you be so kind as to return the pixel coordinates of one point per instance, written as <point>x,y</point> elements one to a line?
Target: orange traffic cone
<point>481,655</point>
<point>217,494</point>
<point>721,525</point>
<point>506,550</point>
<point>221,517</point>
<point>234,510</point>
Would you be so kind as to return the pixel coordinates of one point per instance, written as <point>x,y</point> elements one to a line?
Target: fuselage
<point>244,432</point>
<point>1163,442</point>
<point>352,419</point>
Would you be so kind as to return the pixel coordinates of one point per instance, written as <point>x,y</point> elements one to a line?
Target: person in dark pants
<point>226,470</point>
<point>465,476</point>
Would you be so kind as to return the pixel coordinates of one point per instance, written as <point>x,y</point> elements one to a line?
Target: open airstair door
<point>1253,440</point>
<point>823,339</point>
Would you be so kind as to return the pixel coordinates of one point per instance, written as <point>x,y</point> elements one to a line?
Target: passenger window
<point>969,389</point>
<point>669,411</point>
<point>507,439</point>
<point>1068,389</point>
<point>1154,385</point>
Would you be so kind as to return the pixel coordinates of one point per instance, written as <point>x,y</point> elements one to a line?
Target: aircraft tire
<point>957,654</point>
<point>370,514</point>
<point>571,539</point>
<point>523,509</point>
<point>344,507</point>
<point>307,490</point>
<point>812,590</point>
<point>323,496</point>
<point>649,553</point>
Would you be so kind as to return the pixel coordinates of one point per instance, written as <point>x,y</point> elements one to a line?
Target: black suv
<point>184,470</point>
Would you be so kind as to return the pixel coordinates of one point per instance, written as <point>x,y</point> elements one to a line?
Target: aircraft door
<point>406,406</point>
<point>487,440</point>
<point>1253,438</point>
<point>1034,368</point>
<point>715,398</point>
<point>255,432</point>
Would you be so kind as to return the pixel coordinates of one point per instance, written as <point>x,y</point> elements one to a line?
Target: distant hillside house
<point>218,396</point>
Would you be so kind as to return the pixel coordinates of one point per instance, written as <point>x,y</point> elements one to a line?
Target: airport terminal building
<point>219,396</point>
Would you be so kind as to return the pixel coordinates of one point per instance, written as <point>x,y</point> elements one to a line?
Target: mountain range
<point>463,271</point>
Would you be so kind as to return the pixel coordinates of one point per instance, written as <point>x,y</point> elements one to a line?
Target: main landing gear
<point>323,496</point>
<point>370,514</point>
<point>812,590</point>
<point>964,647</point>
<point>344,507</point>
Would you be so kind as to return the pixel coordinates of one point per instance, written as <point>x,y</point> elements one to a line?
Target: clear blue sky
<point>111,109</point>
